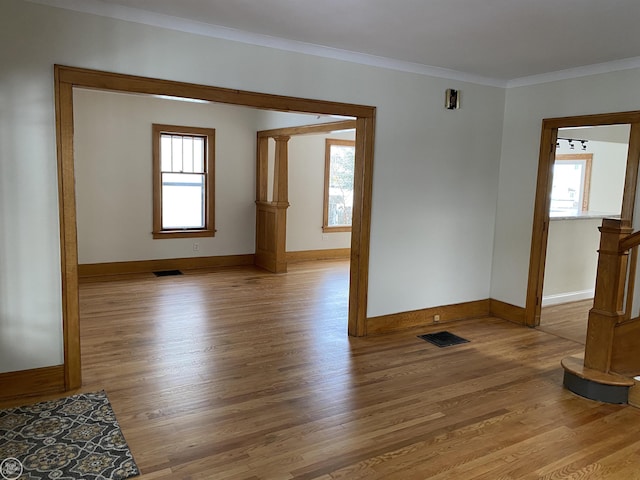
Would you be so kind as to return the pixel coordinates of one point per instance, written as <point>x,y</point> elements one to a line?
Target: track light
<point>571,143</point>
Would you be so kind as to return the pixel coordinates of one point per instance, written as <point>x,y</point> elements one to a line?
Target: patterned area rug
<point>71,438</point>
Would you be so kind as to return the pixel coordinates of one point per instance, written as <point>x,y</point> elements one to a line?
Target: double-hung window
<point>183,181</point>
<point>338,185</point>
<point>571,184</point>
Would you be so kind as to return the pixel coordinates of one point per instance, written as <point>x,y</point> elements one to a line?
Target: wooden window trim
<point>209,168</point>
<point>327,168</point>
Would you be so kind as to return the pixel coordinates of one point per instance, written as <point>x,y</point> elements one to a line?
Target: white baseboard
<point>567,297</point>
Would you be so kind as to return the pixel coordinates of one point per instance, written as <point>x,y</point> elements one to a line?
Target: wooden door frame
<point>66,78</point>
<point>540,230</point>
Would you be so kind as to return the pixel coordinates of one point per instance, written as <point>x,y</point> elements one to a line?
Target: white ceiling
<point>493,41</point>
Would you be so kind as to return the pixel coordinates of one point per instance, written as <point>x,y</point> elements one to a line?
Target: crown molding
<point>135,15</point>
<point>129,14</point>
<point>585,71</point>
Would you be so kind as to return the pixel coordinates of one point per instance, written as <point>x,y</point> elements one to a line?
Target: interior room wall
<point>572,260</point>
<point>607,175</point>
<point>306,194</point>
<point>526,107</point>
<point>114,177</point>
<point>435,172</point>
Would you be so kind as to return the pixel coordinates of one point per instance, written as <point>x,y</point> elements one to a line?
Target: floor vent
<point>167,273</point>
<point>443,339</point>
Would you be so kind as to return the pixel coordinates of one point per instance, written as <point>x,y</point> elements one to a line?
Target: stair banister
<point>608,300</point>
<point>611,359</point>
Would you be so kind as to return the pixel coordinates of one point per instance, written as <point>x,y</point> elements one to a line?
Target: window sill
<point>336,229</point>
<point>164,234</point>
<point>581,215</point>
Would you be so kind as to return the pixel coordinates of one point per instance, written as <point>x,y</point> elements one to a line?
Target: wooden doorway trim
<point>66,78</point>
<point>540,230</point>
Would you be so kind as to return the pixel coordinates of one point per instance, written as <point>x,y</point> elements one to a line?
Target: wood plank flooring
<point>567,320</point>
<point>240,374</point>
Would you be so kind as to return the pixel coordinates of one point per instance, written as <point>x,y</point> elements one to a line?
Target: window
<point>571,182</point>
<point>338,185</point>
<point>183,181</point>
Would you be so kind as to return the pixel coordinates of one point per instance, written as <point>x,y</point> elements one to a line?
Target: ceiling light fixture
<point>571,143</point>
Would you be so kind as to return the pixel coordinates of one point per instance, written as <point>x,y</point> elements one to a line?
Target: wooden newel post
<point>608,302</point>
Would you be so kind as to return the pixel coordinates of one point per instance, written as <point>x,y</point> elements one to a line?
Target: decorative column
<point>281,171</point>
<point>262,169</point>
<point>271,217</point>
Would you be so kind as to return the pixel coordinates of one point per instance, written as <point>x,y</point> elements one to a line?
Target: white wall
<point>434,182</point>
<point>306,195</point>
<point>572,260</point>
<point>114,177</point>
<point>525,109</point>
<point>607,176</point>
<point>608,170</point>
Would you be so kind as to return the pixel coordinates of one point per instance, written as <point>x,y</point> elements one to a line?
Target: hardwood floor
<point>241,374</point>
<point>567,320</point>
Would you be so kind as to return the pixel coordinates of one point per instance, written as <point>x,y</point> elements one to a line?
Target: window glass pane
<point>165,152</point>
<point>568,187</point>
<point>187,154</point>
<point>198,154</point>
<point>341,185</point>
<point>182,200</point>
<point>176,153</point>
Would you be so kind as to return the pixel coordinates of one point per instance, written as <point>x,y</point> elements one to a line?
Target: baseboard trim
<point>311,255</point>
<point>506,311</point>
<point>567,297</point>
<point>27,383</point>
<point>148,266</point>
<point>417,318</point>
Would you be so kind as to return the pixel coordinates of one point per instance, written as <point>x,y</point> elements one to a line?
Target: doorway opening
<point>66,78</point>
<point>555,133</point>
<point>588,185</point>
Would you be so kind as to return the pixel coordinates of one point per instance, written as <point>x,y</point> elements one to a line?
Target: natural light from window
<point>183,181</point>
<point>339,172</point>
<point>183,188</point>
<point>567,191</point>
